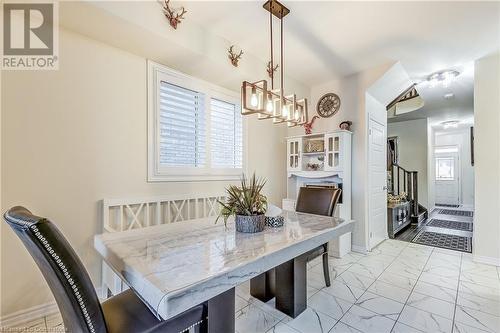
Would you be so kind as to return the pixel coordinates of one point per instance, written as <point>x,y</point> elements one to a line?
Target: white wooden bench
<point>134,213</point>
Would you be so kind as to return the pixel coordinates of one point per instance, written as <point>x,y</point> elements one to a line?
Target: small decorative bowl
<point>275,221</point>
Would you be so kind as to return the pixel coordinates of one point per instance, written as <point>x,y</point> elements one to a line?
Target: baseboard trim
<point>23,317</point>
<point>486,260</point>
<point>19,318</point>
<point>359,249</point>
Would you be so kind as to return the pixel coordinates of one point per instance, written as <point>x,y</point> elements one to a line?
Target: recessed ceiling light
<point>449,95</point>
<point>445,77</point>
<point>450,124</point>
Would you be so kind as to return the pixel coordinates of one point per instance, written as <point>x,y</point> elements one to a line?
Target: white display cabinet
<point>322,159</point>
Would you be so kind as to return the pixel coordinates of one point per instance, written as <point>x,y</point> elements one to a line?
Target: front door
<point>447,181</point>
<point>377,201</point>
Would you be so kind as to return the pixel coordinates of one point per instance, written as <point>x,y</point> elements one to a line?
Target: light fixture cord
<point>282,65</point>
<point>272,55</point>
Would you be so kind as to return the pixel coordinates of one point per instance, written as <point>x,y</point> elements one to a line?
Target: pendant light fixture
<point>264,99</point>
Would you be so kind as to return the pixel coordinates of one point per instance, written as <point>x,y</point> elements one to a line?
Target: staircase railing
<point>406,181</point>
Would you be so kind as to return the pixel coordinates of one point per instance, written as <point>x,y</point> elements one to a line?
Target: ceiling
<point>437,108</point>
<point>326,40</point>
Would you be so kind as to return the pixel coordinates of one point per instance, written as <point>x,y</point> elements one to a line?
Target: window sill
<point>192,178</point>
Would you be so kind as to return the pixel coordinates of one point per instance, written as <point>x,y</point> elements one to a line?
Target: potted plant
<point>247,204</point>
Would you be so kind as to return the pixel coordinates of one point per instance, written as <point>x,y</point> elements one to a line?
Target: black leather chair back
<point>64,272</point>
<point>317,200</point>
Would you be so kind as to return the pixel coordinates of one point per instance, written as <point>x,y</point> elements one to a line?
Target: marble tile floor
<point>399,287</point>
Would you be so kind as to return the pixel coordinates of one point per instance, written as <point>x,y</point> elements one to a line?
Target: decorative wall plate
<point>328,105</point>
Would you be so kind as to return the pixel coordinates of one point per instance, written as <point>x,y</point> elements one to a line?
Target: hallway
<point>447,227</point>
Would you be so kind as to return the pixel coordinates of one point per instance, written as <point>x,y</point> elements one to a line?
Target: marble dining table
<point>173,267</point>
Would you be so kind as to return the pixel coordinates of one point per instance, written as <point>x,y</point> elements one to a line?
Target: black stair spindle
<point>399,171</point>
<point>405,184</point>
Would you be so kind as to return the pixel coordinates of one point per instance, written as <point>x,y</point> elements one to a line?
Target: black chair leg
<point>326,270</point>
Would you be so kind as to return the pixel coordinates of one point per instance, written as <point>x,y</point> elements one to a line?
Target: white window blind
<point>226,135</point>
<point>195,128</point>
<point>182,127</point>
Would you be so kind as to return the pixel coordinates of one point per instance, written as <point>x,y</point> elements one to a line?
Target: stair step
<point>418,219</point>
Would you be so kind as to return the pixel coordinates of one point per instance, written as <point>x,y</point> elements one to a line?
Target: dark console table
<point>398,217</point>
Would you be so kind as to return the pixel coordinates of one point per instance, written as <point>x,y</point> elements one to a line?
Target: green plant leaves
<point>246,199</point>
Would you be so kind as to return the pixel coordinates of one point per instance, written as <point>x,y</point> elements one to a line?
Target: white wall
<point>1,207</point>
<point>72,137</point>
<point>461,138</point>
<point>413,151</point>
<point>487,159</point>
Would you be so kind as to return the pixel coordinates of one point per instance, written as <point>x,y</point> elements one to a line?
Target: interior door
<point>447,181</point>
<point>377,201</point>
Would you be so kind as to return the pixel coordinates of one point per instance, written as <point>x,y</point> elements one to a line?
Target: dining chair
<point>73,290</point>
<point>319,201</point>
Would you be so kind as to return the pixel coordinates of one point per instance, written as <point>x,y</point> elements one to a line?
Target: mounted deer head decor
<point>233,56</point>
<point>173,17</point>
<point>271,69</point>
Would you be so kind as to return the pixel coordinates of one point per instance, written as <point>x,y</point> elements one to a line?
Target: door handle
<point>384,188</point>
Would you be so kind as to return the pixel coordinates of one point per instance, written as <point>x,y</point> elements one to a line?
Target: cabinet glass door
<point>294,155</point>
<point>332,152</point>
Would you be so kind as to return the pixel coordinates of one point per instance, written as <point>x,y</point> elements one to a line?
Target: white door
<point>377,201</point>
<point>447,181</point>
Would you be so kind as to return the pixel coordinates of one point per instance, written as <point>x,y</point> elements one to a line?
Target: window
<point>195,129</point>
<point>182,126</point>
<point>445,149</point>
<point>226,135</point>
<point>445,168</point>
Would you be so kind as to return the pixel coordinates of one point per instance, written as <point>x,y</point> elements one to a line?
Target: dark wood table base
<point>287,282</point>
<point>220,314</point>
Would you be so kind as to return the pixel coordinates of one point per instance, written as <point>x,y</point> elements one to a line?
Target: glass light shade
<point>252,97</point>
<point>269,106</point>
<point>302,107</point>
<point>254,101</point>
<point>284,111</point>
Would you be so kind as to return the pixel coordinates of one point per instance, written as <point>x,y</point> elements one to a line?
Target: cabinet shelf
<point>336,148</point>
<point>314,153</point>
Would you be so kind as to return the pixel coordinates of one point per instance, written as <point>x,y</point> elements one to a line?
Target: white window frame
<point>158,173</point>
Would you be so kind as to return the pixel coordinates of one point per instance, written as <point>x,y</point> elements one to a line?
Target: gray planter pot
<point>252,223</point>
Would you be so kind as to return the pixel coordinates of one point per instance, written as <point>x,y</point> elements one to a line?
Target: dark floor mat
<point>451,242</point>
<point>465,226</point>
<point>455,212</point>
<point>448,205</point>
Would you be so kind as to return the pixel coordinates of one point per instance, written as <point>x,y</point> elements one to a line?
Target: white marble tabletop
<point>174,267</point>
